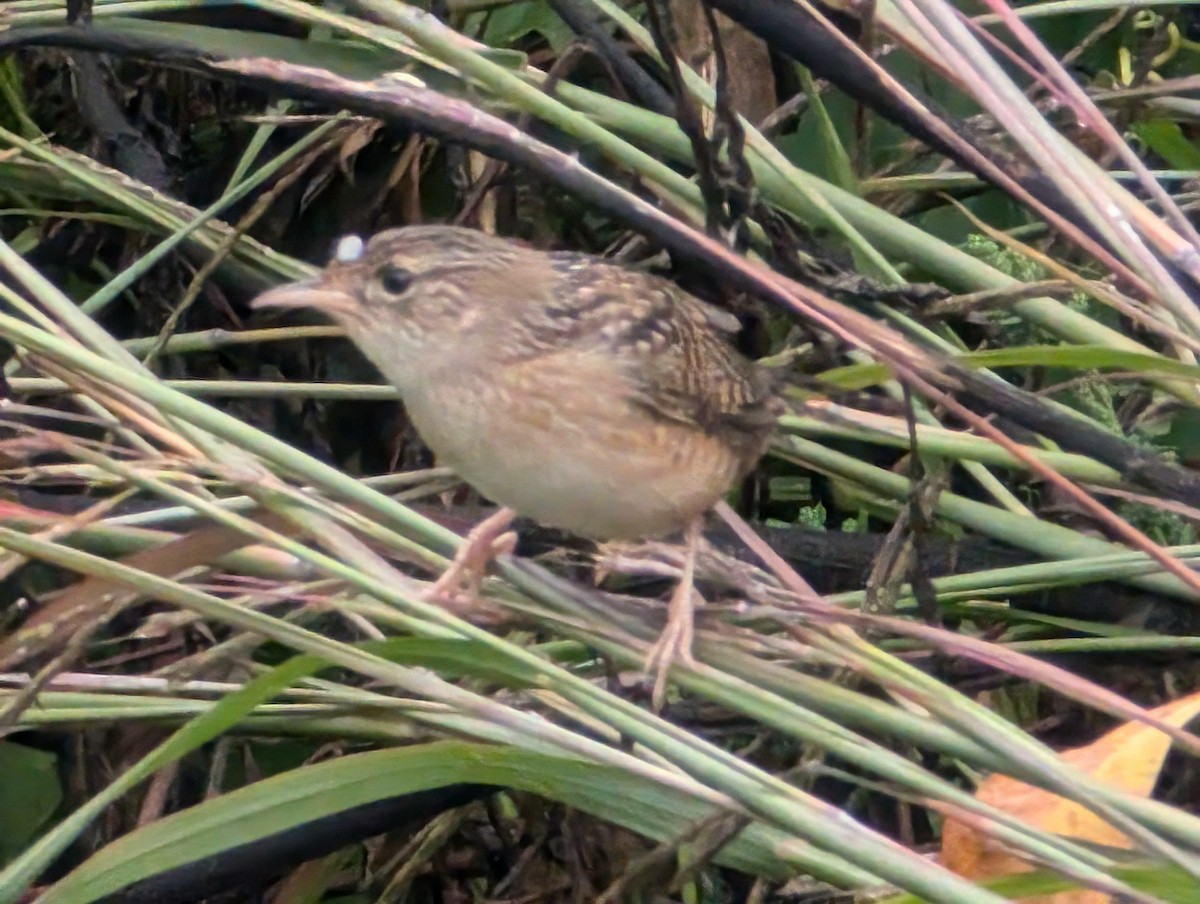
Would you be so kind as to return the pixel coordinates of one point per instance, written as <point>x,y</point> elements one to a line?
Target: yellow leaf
<point>1128,758</point>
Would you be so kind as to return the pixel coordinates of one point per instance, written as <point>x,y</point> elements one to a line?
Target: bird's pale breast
<point>558,439</point>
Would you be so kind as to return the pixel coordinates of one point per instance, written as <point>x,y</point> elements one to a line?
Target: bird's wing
<point>674,350</point>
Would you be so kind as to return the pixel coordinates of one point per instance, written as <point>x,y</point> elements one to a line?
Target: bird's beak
<point>323,292</point>
<point>318,292</point>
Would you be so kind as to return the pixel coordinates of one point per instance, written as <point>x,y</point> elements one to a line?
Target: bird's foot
<point>488,540</point>
<point>647,559</point>
<point>675,642</point>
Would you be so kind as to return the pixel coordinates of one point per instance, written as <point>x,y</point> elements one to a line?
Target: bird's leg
<point>487,540</point>
<point>675,642</point>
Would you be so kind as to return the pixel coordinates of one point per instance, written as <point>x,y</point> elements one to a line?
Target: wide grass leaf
<point>312,792</point>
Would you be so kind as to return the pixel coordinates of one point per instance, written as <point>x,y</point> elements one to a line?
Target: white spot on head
<point>349,249</point>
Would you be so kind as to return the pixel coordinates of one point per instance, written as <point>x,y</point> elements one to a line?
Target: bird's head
<point>415,289</point>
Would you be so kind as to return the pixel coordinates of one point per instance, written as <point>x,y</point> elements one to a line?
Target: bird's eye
<point>395,279</point>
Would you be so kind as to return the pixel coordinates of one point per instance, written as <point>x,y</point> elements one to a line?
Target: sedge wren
<point>568,389</point>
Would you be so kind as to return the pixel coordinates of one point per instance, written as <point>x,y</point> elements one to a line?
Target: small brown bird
<point>589,397</point>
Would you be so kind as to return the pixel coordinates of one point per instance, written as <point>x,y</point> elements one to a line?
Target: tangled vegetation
<point>951,659</point>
